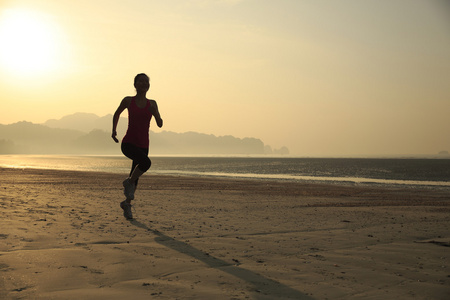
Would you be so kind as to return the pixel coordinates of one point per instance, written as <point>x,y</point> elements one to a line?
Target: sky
<point>322,77</point>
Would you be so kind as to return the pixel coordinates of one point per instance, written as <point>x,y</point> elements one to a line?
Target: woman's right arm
<point>123,105</point>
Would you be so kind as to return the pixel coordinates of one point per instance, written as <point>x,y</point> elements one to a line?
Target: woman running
<point>135,142</point>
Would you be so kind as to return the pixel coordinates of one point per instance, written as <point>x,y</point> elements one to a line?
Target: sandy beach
<point>63,236</point>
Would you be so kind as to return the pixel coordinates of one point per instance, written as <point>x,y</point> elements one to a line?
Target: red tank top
<point>138,125</point>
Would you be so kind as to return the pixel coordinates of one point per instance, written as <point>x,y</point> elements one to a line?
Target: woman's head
<point>141,75</point>
<point>142,81</point>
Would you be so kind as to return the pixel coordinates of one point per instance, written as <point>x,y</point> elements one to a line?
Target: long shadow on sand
<point>265,286</point>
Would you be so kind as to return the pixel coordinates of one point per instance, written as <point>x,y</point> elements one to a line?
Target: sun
<point>30,44</point>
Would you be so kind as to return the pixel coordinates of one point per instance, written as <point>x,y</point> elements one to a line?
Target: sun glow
<point>30,43</point>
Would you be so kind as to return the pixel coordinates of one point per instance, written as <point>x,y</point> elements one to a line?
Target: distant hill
<point>84,133</point>
<point>78,121</point>
<point>198,143</point>
<point>86,122</point>
<point>29,138</point>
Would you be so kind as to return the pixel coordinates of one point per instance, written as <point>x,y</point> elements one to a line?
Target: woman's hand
<point>114,134</point>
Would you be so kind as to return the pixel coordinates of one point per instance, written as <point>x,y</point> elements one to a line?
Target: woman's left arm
<point>155,112</point>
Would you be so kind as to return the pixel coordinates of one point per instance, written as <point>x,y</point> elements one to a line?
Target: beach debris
<point>445,244</point>
<point>439,243</point>
<point>318,256</point>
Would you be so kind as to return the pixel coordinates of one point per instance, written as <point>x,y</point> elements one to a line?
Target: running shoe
<point>126,209</point>
<point>128,189</point>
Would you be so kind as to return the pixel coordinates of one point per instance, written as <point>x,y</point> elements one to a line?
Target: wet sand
<point>63,236</point>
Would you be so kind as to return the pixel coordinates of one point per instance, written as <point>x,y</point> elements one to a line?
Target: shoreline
<point>314,179</point>
<point>360,181</point>
<point>64,237</point>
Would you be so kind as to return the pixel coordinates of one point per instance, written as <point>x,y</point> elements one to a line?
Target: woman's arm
<point>123,105</point>
<point>155,111</point>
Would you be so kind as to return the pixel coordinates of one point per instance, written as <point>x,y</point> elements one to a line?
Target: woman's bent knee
<point>145,164</point>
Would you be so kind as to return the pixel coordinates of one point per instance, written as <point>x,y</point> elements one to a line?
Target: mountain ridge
<point>86,133</point>
<point>86,122</point>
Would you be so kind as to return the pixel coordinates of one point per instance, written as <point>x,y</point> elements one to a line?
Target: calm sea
<point>426,172</point>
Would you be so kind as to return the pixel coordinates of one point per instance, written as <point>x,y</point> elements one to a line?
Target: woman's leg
<point>141,161</point>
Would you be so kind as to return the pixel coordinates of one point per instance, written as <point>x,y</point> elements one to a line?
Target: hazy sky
<point>322,77</point>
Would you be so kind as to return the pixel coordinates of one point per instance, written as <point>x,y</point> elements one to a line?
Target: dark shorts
<point>139,156</point>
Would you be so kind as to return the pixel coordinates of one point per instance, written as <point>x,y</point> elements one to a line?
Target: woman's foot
<point>126,209</point>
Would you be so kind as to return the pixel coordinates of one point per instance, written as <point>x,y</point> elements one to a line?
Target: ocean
<point>394,171</point>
